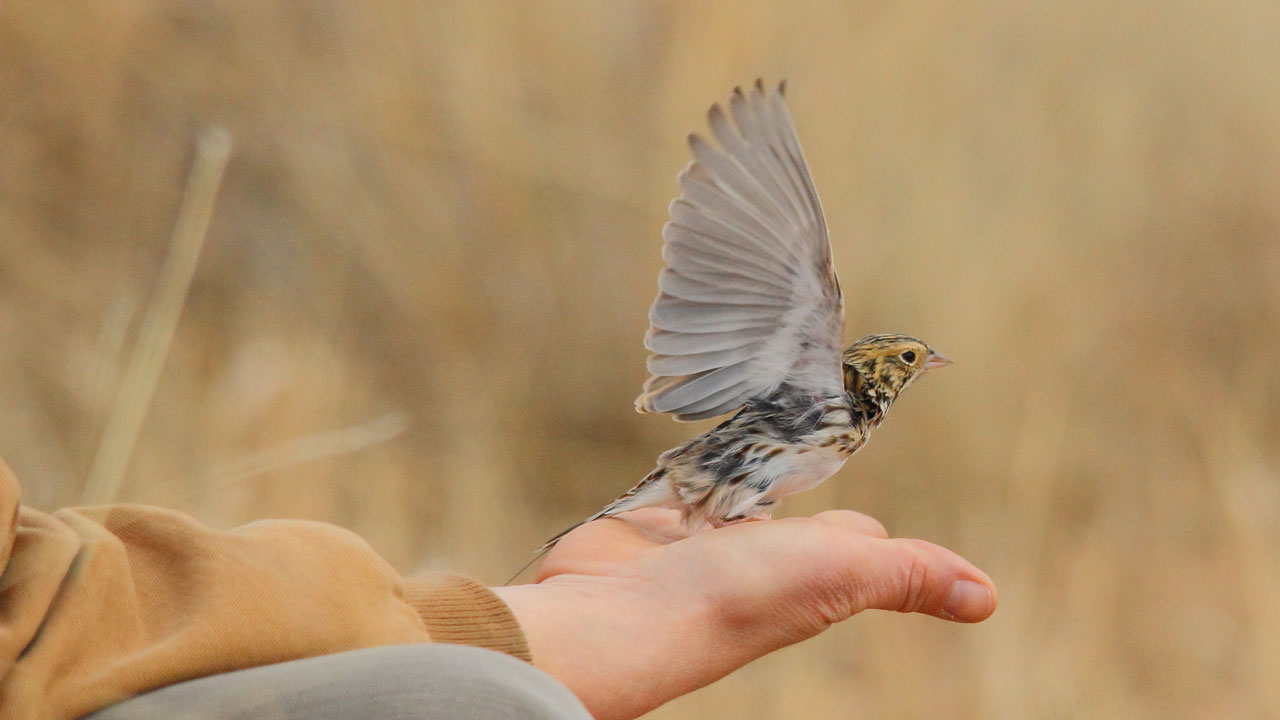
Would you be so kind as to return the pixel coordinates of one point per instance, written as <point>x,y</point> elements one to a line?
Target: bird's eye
<point>909,357</point>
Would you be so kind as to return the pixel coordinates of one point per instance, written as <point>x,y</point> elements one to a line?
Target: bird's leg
<point>762,511</point>
<point>753,517</point>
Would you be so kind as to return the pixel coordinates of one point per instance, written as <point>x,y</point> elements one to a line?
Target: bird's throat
<point>868,401</point>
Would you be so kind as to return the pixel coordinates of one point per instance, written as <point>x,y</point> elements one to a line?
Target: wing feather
<point>686,249</point>
<point>693,363</point>
<point>749,298</point>
<point>729,237</point>
<point>718,207</point>
<point>714,404</point>
<point>680,315</point>
<point>751,125</point>
<point>746,157</point>
<point>713,288</point>
<point>748,198</point>
<point>694,394</point>
<point>665,342</point>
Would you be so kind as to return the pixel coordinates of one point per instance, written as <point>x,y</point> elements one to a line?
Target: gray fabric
<point>402,682</point>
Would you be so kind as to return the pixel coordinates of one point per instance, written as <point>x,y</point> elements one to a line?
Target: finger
<point>645,527</point>
<point>856,521</point>
<point>661,524</point>
<point>605,542</point>
<point>919,576</point>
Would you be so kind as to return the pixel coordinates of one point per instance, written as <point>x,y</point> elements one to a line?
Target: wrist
<point>623,647</point>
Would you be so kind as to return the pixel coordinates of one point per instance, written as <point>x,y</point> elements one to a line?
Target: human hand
<point>629,614</point>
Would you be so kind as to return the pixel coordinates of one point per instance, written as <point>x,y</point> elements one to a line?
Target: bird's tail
<point>642,495</point>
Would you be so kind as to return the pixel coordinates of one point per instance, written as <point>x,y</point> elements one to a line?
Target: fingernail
<point>968,600</point>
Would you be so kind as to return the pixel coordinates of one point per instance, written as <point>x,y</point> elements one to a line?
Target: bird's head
<point>879,367</point>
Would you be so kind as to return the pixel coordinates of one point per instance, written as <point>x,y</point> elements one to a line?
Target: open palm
<point>630,613</point>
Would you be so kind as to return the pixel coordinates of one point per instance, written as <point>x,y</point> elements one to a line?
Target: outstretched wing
<point>749,297</point>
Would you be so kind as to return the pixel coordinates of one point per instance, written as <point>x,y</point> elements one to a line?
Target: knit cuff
<point>459,610</point>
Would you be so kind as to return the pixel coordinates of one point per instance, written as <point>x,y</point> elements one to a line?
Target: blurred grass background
<point>445,217</point>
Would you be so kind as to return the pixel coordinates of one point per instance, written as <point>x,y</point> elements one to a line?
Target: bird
<point>749,320</point>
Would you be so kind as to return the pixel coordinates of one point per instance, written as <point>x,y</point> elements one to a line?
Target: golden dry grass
<point>446,217</point>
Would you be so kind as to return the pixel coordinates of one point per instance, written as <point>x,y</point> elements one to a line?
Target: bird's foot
<point>750,517</point>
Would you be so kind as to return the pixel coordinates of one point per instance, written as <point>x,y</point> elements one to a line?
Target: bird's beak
<point>934,360</point>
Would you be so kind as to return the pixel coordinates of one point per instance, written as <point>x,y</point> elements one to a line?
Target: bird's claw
<point>754,517</point>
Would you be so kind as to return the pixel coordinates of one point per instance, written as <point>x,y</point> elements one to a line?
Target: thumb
<point>782,581</point>
<point>839,563</point>
<point>911,576</point>
<point>765,585</point>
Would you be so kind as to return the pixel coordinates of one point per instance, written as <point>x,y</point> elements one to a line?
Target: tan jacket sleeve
<point>100,604</point>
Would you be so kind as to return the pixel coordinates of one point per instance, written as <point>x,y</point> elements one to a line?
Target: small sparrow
<point>749,319</point>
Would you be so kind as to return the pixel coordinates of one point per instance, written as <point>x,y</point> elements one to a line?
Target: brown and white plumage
<point>750,318</point>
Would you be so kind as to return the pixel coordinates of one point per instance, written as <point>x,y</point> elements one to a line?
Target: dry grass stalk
<point>142,372</point>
